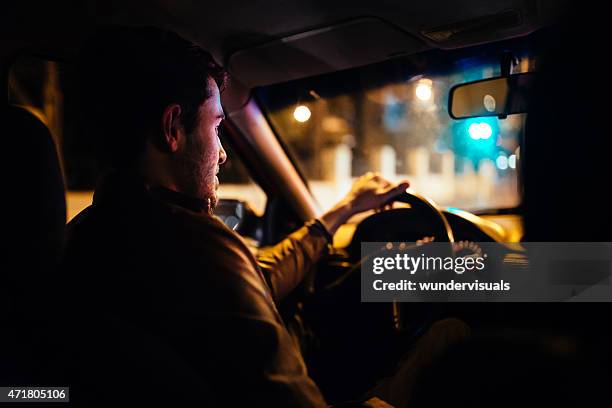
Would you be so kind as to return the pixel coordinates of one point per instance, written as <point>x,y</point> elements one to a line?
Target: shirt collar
<point>180,199</point>
<point>118,187</point>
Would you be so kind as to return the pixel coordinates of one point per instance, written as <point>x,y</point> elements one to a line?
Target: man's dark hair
<point>128,75</point>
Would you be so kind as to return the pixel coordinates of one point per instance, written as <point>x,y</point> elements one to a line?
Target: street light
<point>301,113</point>
<point>424,89</point>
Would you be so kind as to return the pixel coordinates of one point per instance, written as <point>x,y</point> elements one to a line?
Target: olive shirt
<point>156,260</point>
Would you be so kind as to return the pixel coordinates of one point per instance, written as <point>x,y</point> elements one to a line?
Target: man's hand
<point>370,191</point>
<point>376,403</point>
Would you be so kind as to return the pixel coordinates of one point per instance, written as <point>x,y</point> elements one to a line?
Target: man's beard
<point>199,178</point>
<point>212,199</point>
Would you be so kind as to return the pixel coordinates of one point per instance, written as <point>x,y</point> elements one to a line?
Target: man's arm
<point>286,263</point>
<point>230,328</point>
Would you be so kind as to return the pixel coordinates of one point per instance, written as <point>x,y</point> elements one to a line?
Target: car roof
<point>231,28</point>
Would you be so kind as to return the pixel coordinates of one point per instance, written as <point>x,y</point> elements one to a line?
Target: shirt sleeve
<point>285,264</point>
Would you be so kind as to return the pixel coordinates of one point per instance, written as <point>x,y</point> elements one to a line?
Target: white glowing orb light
<point>424,89</point>
<point>512,161</point>
<point>502,162</point>
<point>301,113</point>
<point>480,131</point>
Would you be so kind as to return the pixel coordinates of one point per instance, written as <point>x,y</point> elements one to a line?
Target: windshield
<point>392,118</point>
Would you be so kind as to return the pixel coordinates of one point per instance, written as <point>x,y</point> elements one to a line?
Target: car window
<point>392,118</point>
<point>46,88</point>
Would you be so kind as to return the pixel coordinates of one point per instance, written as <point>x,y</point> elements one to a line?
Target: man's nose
<point>222,154</point>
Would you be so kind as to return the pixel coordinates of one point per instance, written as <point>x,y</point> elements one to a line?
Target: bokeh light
<point>480,130</point>
<point>424,89</point>
<point>502,162</point>
<point>301,113</point>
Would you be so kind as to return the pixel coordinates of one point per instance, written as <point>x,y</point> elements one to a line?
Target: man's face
<point>202,153</point>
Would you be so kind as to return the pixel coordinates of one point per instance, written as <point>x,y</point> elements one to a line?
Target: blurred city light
<point>502,162</point>
<point>301,113</point>
<point>480,130</point>
<point>476,139</point>
<point>512,161</point>
<point>424,89</point>
<point>489,103</point>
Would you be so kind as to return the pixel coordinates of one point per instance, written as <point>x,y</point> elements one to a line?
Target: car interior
<point>320,93</point>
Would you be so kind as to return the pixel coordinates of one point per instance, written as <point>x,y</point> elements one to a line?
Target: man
<point>149,254</point>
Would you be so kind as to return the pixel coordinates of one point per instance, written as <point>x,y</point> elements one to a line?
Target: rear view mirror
<point>500,97</point>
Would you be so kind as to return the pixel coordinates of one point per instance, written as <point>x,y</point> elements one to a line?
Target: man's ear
<point>172,128</point>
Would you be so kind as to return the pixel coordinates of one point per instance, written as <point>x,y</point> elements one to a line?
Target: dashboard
<point>466,226</point>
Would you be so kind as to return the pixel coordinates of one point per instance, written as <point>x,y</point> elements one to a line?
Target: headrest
<point>34,193</point>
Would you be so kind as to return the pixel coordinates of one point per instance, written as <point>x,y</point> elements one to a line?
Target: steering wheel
<point>422,219</point>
